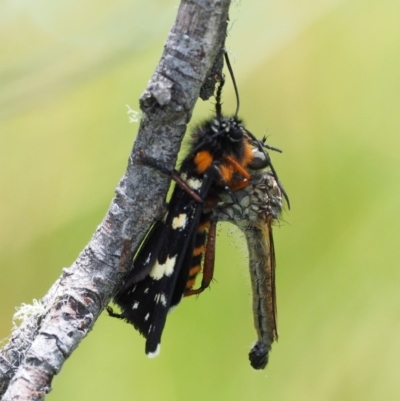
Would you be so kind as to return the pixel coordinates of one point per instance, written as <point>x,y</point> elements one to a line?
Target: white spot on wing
<point>180,221</point>
<point>148,258</point>
<point>135,305</point>
<point>155,353</point>
<point>146,290</point>
<point>194,183</point>
<point>147,317</point>
<point>158,271</point>
<point>161,298</point>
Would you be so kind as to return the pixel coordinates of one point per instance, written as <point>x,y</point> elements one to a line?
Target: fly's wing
<point>165,257</point>
<point>273,287</point>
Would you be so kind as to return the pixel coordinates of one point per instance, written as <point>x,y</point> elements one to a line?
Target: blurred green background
<point>323,79</point>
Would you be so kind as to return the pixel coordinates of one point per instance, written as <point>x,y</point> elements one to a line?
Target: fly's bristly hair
<point>179,247</point>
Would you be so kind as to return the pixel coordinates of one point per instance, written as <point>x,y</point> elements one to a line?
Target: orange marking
<point>198,251</point>
<point>190,283</point>
<point>193,271</point>
<point>203,161</point>
<point>226,171</point>
<point>204,226</point>
<point>239,185</point>
<point>238,167</point>
<point>248,154</point>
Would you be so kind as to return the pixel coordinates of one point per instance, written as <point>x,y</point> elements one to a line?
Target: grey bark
<point>38,348</point>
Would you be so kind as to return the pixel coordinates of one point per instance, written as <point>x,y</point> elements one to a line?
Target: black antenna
<point>228,64</point>
<point>218,95</point>
<point>261,144</point>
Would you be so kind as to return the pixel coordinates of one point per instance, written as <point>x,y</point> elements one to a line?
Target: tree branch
<point>53,328</point>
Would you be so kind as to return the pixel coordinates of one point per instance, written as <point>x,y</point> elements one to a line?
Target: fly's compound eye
<point>260,160</point>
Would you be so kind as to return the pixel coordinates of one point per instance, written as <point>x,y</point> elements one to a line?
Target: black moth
<point>181,245</point>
